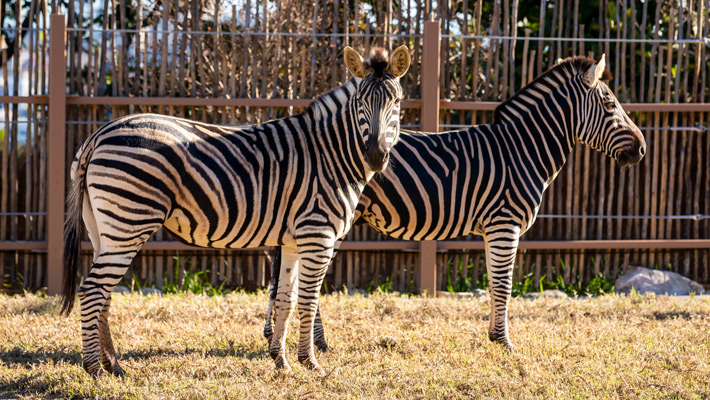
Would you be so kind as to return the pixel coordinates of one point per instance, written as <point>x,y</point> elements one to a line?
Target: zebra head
<point>377,100</point>
<point>604,125</point>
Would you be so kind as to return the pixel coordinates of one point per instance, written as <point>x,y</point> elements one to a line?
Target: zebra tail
<point>275,271</point>
<point>72,230</point>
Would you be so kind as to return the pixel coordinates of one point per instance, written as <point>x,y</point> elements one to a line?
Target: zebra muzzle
<point>632,154</point>
<point>377,158</point>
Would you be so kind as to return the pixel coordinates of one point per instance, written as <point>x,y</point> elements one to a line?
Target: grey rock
<point>479,293</point>
<point>457,295</point>
<point>361,292</point>
<point>473,294</point>
<point>646,280</point>
<point>548,294</point>
<point>121,289</point>
<point>150,291</point>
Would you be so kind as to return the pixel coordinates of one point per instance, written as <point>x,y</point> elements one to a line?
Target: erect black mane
<point>377,62</point>
<point>569,66</point>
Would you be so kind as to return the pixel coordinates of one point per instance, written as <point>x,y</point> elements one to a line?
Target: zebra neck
<point>332,129</point>
<point>546,131</point>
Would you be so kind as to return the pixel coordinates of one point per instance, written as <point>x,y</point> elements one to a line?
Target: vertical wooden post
<point>427,267</point>
<point>430,123</point>
<point>430,76</point>
<point>55,153</point>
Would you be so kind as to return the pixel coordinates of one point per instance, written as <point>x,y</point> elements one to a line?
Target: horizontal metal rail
<point>699,128</point>
<point>150,30</point>
<point>243,33</point>
<point>407,245</point>
<point>705,41</point>
<point>693,217</point>
<point>249,102</point>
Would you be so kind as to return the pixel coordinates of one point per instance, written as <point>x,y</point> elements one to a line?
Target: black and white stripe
<point>489,179</point>
<point>293,182</point>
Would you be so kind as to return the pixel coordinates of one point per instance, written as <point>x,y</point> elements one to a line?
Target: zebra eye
<point>359,100</point>
<point>396,101</point>
<point>609,105</point>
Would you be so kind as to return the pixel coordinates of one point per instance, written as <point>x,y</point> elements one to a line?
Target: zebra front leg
<point>315,258</point>
<point>501,246</point>
<point>318,332</point>
<point>108,354</point>
<point>283,305</point>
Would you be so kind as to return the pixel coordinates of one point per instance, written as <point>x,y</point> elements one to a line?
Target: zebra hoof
<point>118,371</point>
<point>113,369</point>
<point>280,361</point>
<point>283,368</point>
<point>94,370</point>
<point>322,346</point>
<point>503,341</point>
<point>312,364</point>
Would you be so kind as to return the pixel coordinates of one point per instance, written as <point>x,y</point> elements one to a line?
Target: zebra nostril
<point>642,150</point>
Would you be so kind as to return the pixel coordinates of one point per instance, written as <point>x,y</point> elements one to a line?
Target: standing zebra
<point>293,182</point>
<point>489,179</point>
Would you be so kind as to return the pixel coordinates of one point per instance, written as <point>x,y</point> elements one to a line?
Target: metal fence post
<point>56,144</point>
<point>430,123</point>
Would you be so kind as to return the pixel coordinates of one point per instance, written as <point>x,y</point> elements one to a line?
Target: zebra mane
<point>378,62</point>
<point>568,68</point>
<point>332,100</point>
<point>376,65</point>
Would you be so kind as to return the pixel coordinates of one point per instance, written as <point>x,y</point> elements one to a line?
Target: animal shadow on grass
<point>231,351</point>
<point>660,316</point>
<point>27,359</point>
<point>29,384</point>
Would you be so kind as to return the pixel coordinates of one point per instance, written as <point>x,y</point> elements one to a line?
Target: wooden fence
<point>595,219</point>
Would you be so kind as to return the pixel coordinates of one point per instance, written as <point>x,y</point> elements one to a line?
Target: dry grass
<point>384,347</point>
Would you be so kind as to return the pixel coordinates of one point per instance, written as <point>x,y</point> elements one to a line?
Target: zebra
<point>489,179</point>
<point>293,182</point>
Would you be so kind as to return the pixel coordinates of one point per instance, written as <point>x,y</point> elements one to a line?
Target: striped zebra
<point>292,182</point>
<point>489,179</point>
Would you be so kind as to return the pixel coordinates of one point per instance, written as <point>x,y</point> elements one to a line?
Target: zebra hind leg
<point>318,333</point>
<point>274,257</point>
<point>501,246</point>
<point>106,272</point>
<point>108,354</point>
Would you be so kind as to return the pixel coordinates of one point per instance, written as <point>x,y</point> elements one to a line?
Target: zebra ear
<point>596,71</point>
<point>399,61</point>
<point>353,61</point>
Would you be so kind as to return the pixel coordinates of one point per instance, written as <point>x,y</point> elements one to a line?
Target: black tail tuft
<point>72,228</point>
<point>72,247</point>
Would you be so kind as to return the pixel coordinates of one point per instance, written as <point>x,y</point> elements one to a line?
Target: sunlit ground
<point>383,346</point>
